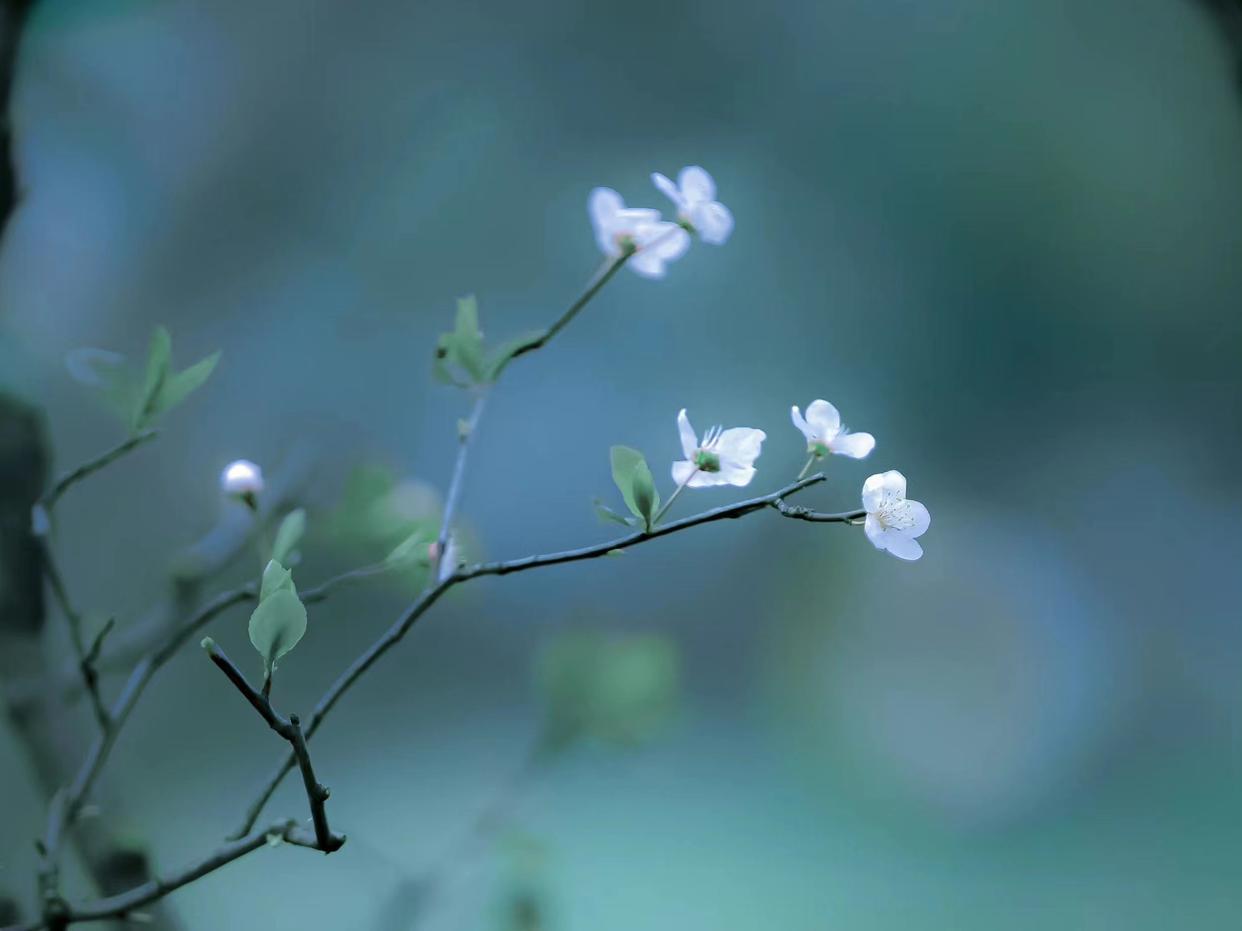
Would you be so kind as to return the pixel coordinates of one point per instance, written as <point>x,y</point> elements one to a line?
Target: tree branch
<point>819,517</point>
<point>85,657</point>
<point>453,498</point>
<point>90,467</point>
<point>127,903</point>
<point>601,277</point>
<point>291,730</point>
<point>402,625</point>
<point>145,670</point>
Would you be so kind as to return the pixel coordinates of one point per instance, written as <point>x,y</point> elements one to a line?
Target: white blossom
<point>241,478</point>
<point>695,197</point>
<point>893,521</point>
<point>619,228</point>
<point>722,457</point>
<point>824,433</point>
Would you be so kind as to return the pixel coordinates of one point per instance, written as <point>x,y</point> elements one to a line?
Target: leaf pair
<point>279,621</point>
<point>633,479</point>
<point>461,358</point>
<point>140,399</point>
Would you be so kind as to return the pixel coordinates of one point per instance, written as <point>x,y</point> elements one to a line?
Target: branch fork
<point>289,729</point>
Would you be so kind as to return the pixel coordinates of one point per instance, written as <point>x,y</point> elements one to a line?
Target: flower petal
<point>739,446</point>
<point>875,531</point>
<point>902,545</point>
<point>603,205</point>
<point>689,439</point>
<point>665,186</point>
<point>713,221</point>
<point>891,484</point>
<point>800,422</point>
<point>854,445</point>
<point>666,240</point>
<point>648,264</point>
<point>824,418</point>
<point>696,184</point>
<point>682,470</point>
<point>632,218</point>
<point>734,473</point>
<point>920,515</point>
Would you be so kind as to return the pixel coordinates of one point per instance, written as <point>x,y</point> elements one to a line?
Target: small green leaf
<point>608,514</point>
<point>634,481</point>
<point>159,357</point>
<point>289,535</point>
<point>507,350</point>
<point>463,348</point>
<point>275,578</point>
<point>410,550</point>
<point>180,386</point>
<point>108,375</point>
<point>276,626</point>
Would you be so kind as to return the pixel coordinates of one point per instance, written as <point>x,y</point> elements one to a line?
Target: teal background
<point>1003,237</point>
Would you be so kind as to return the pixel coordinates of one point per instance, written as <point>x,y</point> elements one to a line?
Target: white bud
<point>241,478</point>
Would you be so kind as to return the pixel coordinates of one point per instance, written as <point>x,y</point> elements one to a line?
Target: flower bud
<point>241,479</point>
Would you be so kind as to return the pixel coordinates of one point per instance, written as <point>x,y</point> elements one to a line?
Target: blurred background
<point>1004,238</point>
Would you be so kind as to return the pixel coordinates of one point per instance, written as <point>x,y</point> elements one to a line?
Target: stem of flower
<point>673,497</point>
<point>807,468</point>
<point>453,497</point>
<point>598,280</point>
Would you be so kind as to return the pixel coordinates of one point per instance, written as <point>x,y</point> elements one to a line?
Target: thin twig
<point>146,668</point>
<point>402,625</point>
<point>126,903</point>
<point>451,501</point>
<point>289,729</point>
<point>598,280</point>
<point>820,517</point>
<point>91,466</point>
<point>84,657</point>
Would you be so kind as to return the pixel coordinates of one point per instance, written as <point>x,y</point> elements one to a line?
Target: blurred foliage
<point>139,399</point>
<point>616,688</point>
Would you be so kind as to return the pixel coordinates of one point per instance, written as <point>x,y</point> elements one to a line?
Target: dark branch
<point>124,905</point>
<point>598,280</point>
<point>91,466</point>
<point>291,730</point>
<point>402,625</point>
<point>820,517</point>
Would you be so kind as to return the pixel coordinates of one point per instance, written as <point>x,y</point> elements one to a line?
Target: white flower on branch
<point>722,457</point>
<point>619,229</point>
<point>241,478</point>
<point>824,433</point>
<point>697,207</point>
<point>893,521</point>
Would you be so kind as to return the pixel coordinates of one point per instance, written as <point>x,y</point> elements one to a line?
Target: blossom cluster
<point>727,457</point>
<point>653,242</point>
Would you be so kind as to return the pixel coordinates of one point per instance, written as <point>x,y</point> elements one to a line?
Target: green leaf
<point>106,373</point>
<point>510,348</point>
<point>289,535</point>
<point>633,479</point>
<point>276,578</point>
<point>608,514</point>
<point>276,626</point>
<point>178,387</point>
<point>463,348</point>
<point>159,357</point>
<point>410,550</point>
